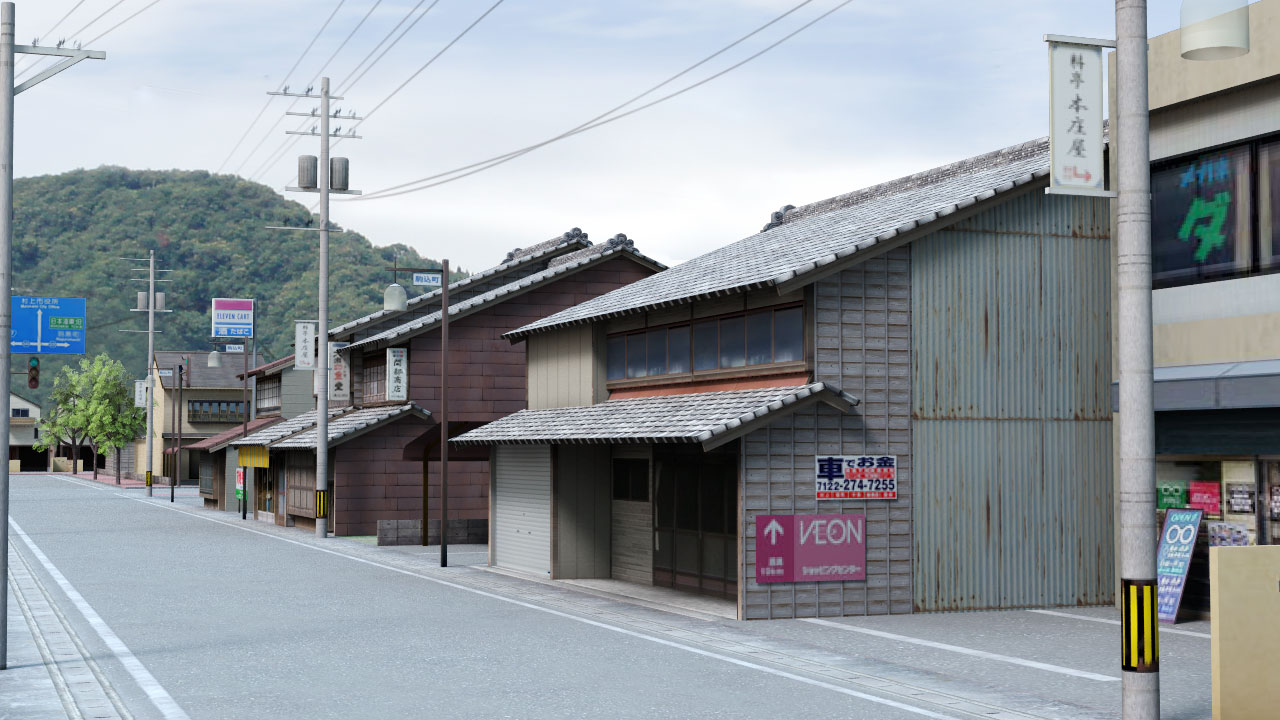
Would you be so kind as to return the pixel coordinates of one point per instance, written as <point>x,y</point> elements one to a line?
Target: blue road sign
<point>47,325</point>
<point>426,279</point>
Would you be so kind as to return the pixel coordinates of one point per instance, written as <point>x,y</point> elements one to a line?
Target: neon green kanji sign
<point>1210,234</point>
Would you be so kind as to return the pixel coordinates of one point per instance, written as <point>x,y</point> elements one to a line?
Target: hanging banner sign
<point>339,374</point>
<point>139,393</point>
<point>304,345</point>
<point>398,374</point>
<point>1177,542</point>
<point>232,318</point>
<point>856,477</point>
<point>810,548</point>
<point>1075,116</point>
<point>239,483</point>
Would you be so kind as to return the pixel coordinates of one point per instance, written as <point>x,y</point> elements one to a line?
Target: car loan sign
<point>856,477</point>
<point>810,548</point>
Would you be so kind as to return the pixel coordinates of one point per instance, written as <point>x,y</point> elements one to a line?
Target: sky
<point>874,91</point>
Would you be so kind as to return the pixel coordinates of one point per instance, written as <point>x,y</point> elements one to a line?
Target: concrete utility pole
<point>323,183</point>
<point>444,417</point>
<point>1140,679</point>
<point>7,92</point>
<point>151,353</point>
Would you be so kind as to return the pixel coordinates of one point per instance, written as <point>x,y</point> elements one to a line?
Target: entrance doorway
<point>696,520</point>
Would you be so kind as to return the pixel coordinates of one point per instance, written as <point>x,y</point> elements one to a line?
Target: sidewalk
<point>109,478</point>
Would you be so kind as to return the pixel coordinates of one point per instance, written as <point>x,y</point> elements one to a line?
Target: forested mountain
<point>71,229</point>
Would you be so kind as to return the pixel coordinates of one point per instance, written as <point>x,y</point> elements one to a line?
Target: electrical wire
<point>55,27</point>
<point>31,70</point>
<point>113,27</point>
<point>472,169</point>
<point>282,85</point>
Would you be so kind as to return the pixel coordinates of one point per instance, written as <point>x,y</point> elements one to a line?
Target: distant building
<point>24,415</point>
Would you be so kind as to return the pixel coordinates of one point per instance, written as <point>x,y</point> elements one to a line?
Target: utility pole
<point>444,415</point>
<point>177,425</point>
<point>7,92</point>
<point>244,432</point>
<point>332,177</point>
<point>1140,679</point>
<point>150,303</point>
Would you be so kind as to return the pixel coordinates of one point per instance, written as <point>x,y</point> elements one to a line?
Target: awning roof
<point>712,418</point>
<point>219,441</point>
<point>1220,386</point>
<point>345,423</point>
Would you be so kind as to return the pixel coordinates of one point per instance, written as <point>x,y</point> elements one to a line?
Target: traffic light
<point>33,373</point>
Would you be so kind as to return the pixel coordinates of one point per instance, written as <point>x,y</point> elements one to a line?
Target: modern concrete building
<point>913,376</point>
<point>384,444</point>
<point>1215,172</point>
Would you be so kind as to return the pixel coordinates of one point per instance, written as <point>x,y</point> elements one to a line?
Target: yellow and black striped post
<point>322,503</point>
<point>1139,625</point>
<point>148,478</point>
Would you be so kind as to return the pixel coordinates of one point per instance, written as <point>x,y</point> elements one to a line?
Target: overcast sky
<point>875,91</point>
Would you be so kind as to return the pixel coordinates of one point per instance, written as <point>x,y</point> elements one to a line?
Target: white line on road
<point>965,651</point>
<point>1163,629</point>
<point>687,648</point>
<point>159,697</point>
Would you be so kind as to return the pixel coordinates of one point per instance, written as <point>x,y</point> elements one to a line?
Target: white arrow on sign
<point>773,530</point>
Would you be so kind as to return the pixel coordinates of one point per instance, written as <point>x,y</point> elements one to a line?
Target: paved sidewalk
<point>29,693</point>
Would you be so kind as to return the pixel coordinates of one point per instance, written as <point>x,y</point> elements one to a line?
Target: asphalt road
<point>207,616</point>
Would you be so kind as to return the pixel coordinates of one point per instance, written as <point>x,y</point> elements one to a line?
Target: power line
<point>472,169</point>
<point>282,84</point>
<point>109,30</point>
<point>55,27</point>
<point>87,25</point>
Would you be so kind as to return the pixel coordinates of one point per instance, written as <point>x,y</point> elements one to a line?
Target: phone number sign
<point>856,477</point>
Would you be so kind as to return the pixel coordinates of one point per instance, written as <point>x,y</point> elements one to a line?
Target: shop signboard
<point>1171,493</point>
<point>339,374</point>
<point>1275,502</point>
<point>232,318</point>
<point>810,548</point>
<point>1075,117</point>
<point>398,374</point>
<point>1177,542</point>
<point>304,345</point>
<point>856,477</point>
<point>139,393</point>
<point>1240,499</point>
<point>1206,496</point>
<point>239,483</point>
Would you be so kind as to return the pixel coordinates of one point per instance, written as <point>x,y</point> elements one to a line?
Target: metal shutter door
<point>522,508</point>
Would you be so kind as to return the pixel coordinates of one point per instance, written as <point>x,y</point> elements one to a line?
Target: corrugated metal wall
<point>1012,423</point>
<point>861,322</point>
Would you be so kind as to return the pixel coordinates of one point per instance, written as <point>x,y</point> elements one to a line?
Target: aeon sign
<point>810,548</point>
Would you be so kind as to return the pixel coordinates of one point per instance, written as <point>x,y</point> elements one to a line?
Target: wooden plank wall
<point>861,323</point>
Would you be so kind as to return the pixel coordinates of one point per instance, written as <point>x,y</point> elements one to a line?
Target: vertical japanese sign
<point>398,374</point>
<point>239,483</point>
<point>304,345</point>
<point>232,318</point>
<point>1177,542</point>
<point>139,393</point>
<point>856,477</point>
<point>339,374</point>
<point>810,548</point>
<point>1075,118</point>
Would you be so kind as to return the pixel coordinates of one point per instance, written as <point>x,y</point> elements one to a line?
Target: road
<point>192,613</point>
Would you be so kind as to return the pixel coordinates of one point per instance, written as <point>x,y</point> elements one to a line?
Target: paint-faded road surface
<point>171,612</point>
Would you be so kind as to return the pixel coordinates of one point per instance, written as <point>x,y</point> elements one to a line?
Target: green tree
<point>67,422</point>
<point>114,421</point>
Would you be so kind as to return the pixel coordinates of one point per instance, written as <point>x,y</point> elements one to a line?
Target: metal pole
<point>1140,685</point>
<point>444,414</point>
<point>322,397</point>
<point>151,353</point>
<point>244,431</point>
<point>6,286</point>
<point>177,434</point>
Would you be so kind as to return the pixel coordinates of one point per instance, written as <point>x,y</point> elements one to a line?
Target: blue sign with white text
<point>1177,543</point>
<point>47,325</point>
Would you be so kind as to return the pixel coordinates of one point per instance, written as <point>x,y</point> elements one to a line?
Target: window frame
<point>373,374</point>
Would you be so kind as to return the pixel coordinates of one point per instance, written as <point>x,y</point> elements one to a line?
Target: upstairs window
<point>269,393</point>
<point>757,338</point>
<point>214,411</point>
<point>20,412</point>
<point>375,377</point>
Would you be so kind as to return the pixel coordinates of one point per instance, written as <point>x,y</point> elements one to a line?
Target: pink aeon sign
<point>810,548</point>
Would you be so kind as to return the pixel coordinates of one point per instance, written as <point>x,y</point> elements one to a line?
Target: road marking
<point>924,712</point>
<point>965,651</point>
<point>159,697</point>
<point>1163,629</point>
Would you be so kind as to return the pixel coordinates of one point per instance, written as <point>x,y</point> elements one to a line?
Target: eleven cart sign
<point>810,548</point>
<point>856,477</point>
<point>232,318</point>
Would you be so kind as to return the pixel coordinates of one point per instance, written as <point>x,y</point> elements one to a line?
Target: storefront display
<point>1240,499</point>
<point>1207,496</point>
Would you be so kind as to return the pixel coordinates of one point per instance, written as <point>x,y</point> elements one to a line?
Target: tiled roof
<point>693,417</point>
<point>270,367</point>
<point>351,424</point>
<point>804,239</point>
<point>216,443</point>
<point>570,241</point>
<point>286,428</point>
<point>590,255</point>
<point>196,367</point>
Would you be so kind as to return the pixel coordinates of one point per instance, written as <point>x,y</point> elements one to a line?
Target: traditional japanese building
<point>384,444</point>
<point>889,401</point>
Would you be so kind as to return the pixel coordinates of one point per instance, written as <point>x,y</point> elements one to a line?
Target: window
<point>269,392</point>
<point>375,377</point>
<point>631,480</point>
<point>20,412</point>
<point>199,411</point>
<point>1269,199</point>
<point>762,337</point>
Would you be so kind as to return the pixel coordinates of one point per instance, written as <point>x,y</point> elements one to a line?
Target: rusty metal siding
<point>861,323</point>
<point>1012,430</point>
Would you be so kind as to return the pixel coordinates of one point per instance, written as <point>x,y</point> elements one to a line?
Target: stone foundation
<point>409,532</point>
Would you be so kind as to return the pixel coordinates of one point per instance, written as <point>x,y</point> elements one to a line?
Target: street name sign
<point>856,477</point>
<point>1177,543</point>
<point>810,548</point>
<point>232,318</point>
<point>234,348</point>
<point>426,279</point>
<point>47,325</point>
